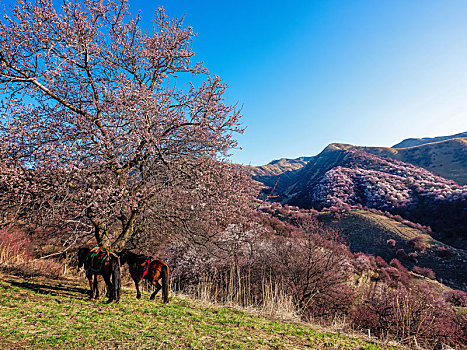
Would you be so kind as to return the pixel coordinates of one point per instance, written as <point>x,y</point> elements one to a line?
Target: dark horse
<point>142,266</point>
<point>101,261</point>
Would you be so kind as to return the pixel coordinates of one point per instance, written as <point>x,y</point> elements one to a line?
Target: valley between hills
<point>415,189</point>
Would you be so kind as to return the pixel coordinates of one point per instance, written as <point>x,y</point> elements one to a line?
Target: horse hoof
<point>151,298</point>
<point>138,297</point>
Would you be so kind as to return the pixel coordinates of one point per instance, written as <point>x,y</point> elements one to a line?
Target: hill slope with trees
<point>343,175</point>
<point>446,158</point>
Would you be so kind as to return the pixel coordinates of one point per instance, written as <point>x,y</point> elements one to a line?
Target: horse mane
<point>127,255</point>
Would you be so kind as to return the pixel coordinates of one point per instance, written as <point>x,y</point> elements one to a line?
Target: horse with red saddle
<point>146,267</point>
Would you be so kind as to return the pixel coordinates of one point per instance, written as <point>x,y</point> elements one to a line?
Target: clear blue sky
<point>309,73</point>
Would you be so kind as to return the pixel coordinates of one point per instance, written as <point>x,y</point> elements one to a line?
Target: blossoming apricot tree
<point>102,131</point>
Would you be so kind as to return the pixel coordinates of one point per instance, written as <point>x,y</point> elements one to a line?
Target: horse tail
<point>165,283</point>
<point>116,278</point>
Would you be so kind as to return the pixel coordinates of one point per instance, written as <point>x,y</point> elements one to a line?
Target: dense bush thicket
<point>291,250</point>
<point>17,256</point>
<point>309,263</point>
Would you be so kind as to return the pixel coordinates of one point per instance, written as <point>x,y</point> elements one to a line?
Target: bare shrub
<point>314,266</point>
<point>308,267</point>
<point>409,315</point>
<point>16,256</point>
<point>374,312</point>
<point>14,246</point>
<point>445,252</point>
<point>234,287</point>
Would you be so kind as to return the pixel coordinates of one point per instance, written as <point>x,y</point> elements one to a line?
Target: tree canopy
<point>110,131</point>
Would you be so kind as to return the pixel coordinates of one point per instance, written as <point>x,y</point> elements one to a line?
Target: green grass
<point>46,314</point>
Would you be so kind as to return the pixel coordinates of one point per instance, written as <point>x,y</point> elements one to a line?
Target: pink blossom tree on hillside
<point>103,134</point>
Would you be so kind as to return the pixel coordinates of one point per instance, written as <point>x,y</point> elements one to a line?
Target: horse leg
<point>158,288</point>
<point>108,283</point>
<point>138,293</point>
<point>91,289</point>
<point>96,288</point>
<point>116,279</point>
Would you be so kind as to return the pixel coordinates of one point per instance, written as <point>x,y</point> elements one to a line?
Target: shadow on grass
<point>55,290</point>
<point>28,271</point>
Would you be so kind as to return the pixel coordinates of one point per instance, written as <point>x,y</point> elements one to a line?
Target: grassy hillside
<point>277,167</point>
<point>277,174</point>
<point>420,141</point>
<point>46,314</point>
<point>368,232</point>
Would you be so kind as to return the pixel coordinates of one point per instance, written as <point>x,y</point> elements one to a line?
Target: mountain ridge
<point>411,142</point>
<point>445,156</point>
<point>344,175</point>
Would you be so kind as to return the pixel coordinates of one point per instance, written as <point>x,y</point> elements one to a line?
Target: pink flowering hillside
<point>343,176</point>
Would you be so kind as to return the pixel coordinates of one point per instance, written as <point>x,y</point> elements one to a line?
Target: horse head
<point>124,256</point>
<point>82,254</point>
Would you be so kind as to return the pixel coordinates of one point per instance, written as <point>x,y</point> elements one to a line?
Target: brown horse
<point>100,261</point>
<point>144,267</point>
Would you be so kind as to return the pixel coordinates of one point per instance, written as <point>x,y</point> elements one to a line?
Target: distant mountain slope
<point>416,141</point>
<point>279,166</point>
<point>444,158</point>
<point>278,173</point>
<point>342,175</point>
<point>368,232</point>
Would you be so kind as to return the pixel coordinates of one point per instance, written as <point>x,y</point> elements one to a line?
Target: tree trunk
<point>127,232</point>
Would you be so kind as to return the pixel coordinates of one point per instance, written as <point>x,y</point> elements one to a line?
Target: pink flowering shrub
<point>364,262</point>
<point>391,275</point>
<point>456,297</point>
<point>404,273</point>
<point>424,271</point>
<point>391,244</point>
<point>417,243</point>
<point>380,262</point>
